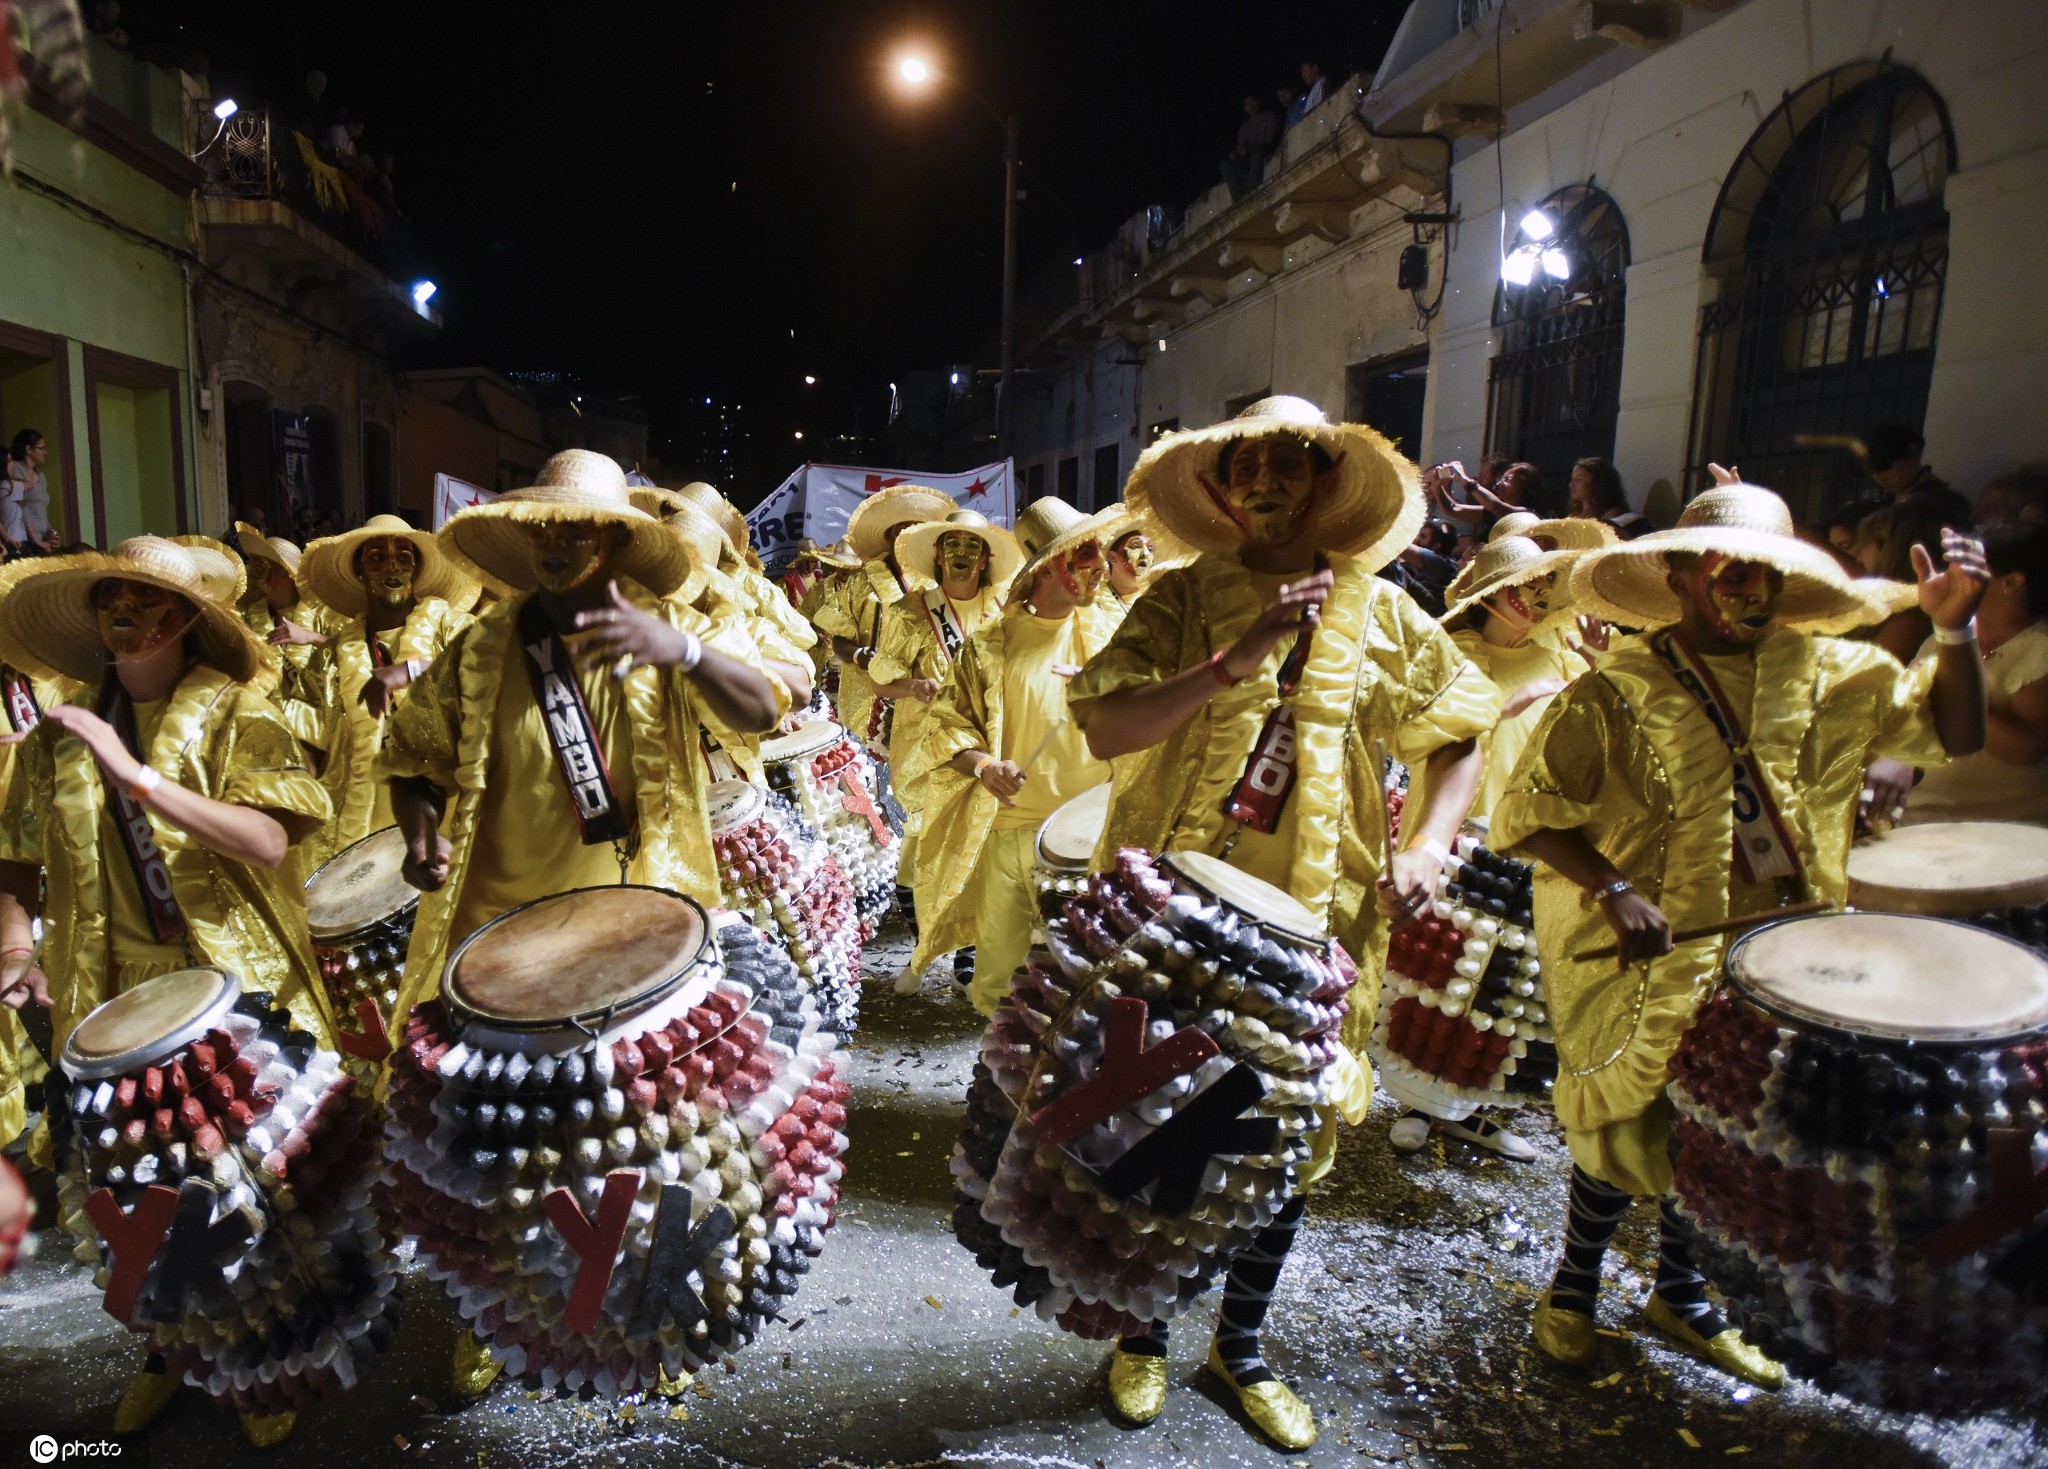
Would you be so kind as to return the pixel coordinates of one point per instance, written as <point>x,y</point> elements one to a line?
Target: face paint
<point>388,565</point>
<point>279,590</point>
<point>1134,553</point>
<point>962,557</point>
<point>1737,599</point>
<point>136,619</point>
<point>1526,603</point>
<point>1272,483</point>
<point>568,554</point>
<point>1081,571</point>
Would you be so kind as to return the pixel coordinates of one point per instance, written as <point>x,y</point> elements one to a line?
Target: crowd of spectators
<point>1265,125</point>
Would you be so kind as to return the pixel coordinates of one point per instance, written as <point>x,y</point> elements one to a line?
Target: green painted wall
<point>135,462</point>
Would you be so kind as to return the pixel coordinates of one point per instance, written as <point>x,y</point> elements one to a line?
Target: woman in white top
<point>29,453</point>
<point>2008,779</point>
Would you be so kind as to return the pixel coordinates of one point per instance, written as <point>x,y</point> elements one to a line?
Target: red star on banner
<point>2019,1196</point>
<point>976,490</point>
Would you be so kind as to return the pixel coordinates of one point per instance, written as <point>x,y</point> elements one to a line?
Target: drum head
<point>149,1022</point>
<point>1894,976</point>
<point>1954,869</point>
<point>731,803</point>
<point>577,957</point>
<point>1068,837</point>
<point>360,885</point>
<point>1251,897</point>
<point>808,739</point>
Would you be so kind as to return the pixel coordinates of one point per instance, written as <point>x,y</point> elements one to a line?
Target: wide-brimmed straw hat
<point>1372,511</point>
<point>701,535</point>
<point>328,568</point>
<point>48,622</point>
<point>259,547</point>
<point>840,555</point>
<point>897,505</point>
<point>1562,533</point>
<point>1627,583</point>
<point>917,549</point>
<point>223,571</point>
<point>574,485</point>
<point>1500,564</point>
<point>729,517</point>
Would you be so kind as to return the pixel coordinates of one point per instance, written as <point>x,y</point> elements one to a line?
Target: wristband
<point>414,667</point>
<point>981,763</point>
<point>1435,849</point>
<point>862,657</point>
<point>1221,674</point>
<point>1955,636</point>
<point>17,949</point>
<point>1613,890</point>
<point>693,653</point>
<point>146,781</point>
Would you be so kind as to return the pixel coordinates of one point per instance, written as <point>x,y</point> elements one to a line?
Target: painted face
<point>567,554</point>
<point>1272,481</point>
<point>1133,552</point>
<point>136,619</point>
<point>1737,598</point>
<point>1526,603</point>
<point>962,556</point>
<point>1081,571</point>
<point>388,565</point>
<point>278,587</point>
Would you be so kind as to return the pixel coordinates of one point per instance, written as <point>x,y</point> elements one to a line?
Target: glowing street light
<point>422,293</point>
<point>1536,225</point>
<point>913,70</point>
<point>809,381</point>
<point>226,108</point>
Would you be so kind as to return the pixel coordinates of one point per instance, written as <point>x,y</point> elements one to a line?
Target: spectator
<point>1893,451</point>
<point>1291,109</point>
<point>104,21</point>
<point>1257,136</point>
<point>1595,491</point>
<point>1884,547</point>
<point>2019,498</point>
<point>1628,524</point>
<point>1843,526</point>
<point>1318,87</point>
<point>1422,572</point>
<point>27,456</point>
<point>2008,779</point>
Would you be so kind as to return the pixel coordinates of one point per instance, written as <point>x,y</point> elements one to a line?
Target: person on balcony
<point>1318,87</point>
<point>1257,136</point>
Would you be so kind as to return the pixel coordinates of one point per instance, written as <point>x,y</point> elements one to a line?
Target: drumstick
<point>1725,925</point>
<point>1380,764</point>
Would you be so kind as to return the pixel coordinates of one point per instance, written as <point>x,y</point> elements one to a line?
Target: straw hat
<point>225,575</point>
<point>1626,583</point>
<point>1372,511</point>
<point>1507,561</point>
<point>727,516</point>
<point>257,546</point>
<point>897,505</point>
<point>48,622</point>
<point>574,485</point>
<point>701,535</point>
<point>328,568</point>
<point>1566,533</point>
<point>840,555</point>
<point>917,549</point>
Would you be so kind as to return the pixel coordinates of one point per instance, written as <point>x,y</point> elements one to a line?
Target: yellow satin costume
<point>910,648</point>
<point>471,726</point>
<point>21,1065</point>
<point>854,612</point>
<point>739,631</point>
<point>1511,670</point>
<point>1628,757</point>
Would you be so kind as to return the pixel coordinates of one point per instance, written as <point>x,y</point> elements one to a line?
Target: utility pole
<point>1009,283</point>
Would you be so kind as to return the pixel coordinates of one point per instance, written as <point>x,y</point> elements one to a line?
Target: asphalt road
<point>1402,1317</point>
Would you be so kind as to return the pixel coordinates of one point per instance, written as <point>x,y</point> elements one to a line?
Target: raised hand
<point>1950,596</point>
<point>626,637</point>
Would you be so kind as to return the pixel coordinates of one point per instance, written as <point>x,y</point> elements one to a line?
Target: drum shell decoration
<point>834,786</point>
<point>1465,1022</point>
<point>15,1209</point>
<point>275,1282</point>
<point>1049,1218</point>
<point>725,1103</point>
<point>782,877</point>
<point>1818,1169</point>
<point>364,961</point>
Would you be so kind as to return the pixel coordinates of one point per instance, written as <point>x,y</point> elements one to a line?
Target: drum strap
<point>145,859</point>
<point>1763,843</point>
<point>579,754</point>
<point>1260,796</point>
<point>721,765</point>
<point>380,656</point>
<point>23,712</point>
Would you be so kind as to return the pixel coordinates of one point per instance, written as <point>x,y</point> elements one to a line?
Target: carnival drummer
<point>158,806</point>
<point>1707,770</point>
<point>1002,754</point>
<point>601,790</point>
<point>761,598</point>
<point>1242,699</point>
<point>281,610</point>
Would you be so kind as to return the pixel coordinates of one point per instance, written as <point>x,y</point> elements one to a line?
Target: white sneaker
<point>1410,1133</point>
<point>1493,1137</point>
<point>909,980</point>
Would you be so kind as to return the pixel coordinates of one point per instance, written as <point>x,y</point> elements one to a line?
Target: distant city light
<point>707,402</point>
<point>1077,260</point>
<point>226,108</point>
<point>914,70</point>
<point>956,379</point>
<point>422,293</point>
<point>809,381</point>
<point>799,433</point>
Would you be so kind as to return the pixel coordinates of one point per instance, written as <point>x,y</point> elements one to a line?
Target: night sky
<point>656,196</point>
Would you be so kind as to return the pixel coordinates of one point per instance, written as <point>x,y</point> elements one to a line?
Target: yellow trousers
<point>1005,912</point>
<point>1633,1155</point>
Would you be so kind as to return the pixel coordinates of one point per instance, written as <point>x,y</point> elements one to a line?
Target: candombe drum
<point>1465,1023</point>
<point>617,1135</point>
<point>832,783</point>
<point>15,1208</point>
<point>1146,1094</point>
<point>785,881</point>
<point>1857,1145</point>
<point>1992,874</point>
<point>360,909</point>
<point>1066,840</point>
<point>216,1168</point>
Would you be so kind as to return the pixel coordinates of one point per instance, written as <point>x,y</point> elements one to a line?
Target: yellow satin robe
<point>21,1065</point>
<point>1628,757</point>
<point>910,648</point>
<point>739,631</point>
<point>1511,670</point>
<point>854,612</point>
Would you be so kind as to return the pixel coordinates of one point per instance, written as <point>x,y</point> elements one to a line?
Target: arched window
<point>1554,389</point>
<point>1830,242</point>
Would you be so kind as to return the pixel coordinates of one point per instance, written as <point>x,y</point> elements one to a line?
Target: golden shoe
<point>268,1430</point>
<point>672,1387</point>
<point>1570,1337</point>
<point>475,1369</point>
<point>147,1395</point>
<point>1726,1349</point>
<point>1137,1385</point>
<point>1272,1406</point>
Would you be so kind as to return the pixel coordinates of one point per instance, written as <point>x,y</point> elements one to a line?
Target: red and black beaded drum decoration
<point>1859,1151</point>
<point>830,780</point>
<point>617,1136</point>
<point>216,1169</point>
<point>782,878</point>
<point>360,910</point>
<point>1465,1022</point>
<point>15,1209</point>
<point>1066,842</point>
<point>1992,874</point>
<point>1147,1093</point>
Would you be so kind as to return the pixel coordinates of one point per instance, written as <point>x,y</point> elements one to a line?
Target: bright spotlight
<point>956,379</point>
<point>1519,268</point>
<point>1557,264</point>
<point>422,293</point>
<point>914,70</point>
<point>1536,225</point>
<point>226,108</point>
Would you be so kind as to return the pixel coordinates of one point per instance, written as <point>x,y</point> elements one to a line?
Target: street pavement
<point>1402,1317</point>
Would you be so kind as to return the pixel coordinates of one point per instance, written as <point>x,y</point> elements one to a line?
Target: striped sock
<point>1151,1344</point>
<point>1248,1292</point>
<point>1593,1212</point>
<point>1679,1285</point>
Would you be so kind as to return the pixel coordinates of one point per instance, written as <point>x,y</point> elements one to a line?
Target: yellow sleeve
<point>442,626</point>
<point>423,731</point>
<point>30,793</point>
<point>735,633</point>
<point>261,766</point>
<point>1892,703</point>
<point>958,718</point>
<point>1444,697</point>
<point>898,645</point>
<point>773,607</point>
<point>1558,784</point>
<point>1144,650</point>
<point>836,616</point>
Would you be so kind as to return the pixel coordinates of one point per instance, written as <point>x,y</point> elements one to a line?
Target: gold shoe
<point>1137,1386</point>
<point>1569,1337</point>
<point>1726,1350</point>
<point>268,1430</point>
<point>672,1387</point>
<point>1272,1406</point>
<point>475,1369</point>
<point>147,1395</point>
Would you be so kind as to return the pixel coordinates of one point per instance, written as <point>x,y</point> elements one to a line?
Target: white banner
<point>452,494</point>
<point>817,499</point>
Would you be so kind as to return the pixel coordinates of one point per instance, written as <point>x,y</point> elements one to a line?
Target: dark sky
<point>656,195</point>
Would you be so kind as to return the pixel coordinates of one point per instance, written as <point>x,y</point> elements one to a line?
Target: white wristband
<point>1435,849</point>
<point>1967,633</point>
<point>693,653</point>
<point>414,667</point>
<point>144,785</point>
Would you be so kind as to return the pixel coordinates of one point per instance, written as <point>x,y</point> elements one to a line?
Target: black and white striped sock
<point>1593,1212</point>
<point>1248,1292</point>
<point>1151,1344</point>
<point>1679,1284</point>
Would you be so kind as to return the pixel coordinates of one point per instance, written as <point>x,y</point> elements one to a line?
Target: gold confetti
<point>1690,1441</point>
<point>679,1414</point>
<point>1609,1380</point>
<point>933,1302</point>
<point>401,1440</point>
<point>1741,1448</point>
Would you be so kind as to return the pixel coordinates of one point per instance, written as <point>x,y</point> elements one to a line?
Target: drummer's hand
<point>383,687</point>
<point>1594,637</point>
<point>623,635</point>
<point>1299,604</point>
<point>1528,694</point>
<point>1002,779</point>
<point>1885,787</point>
<point>1950,596</point>
<point>425,872</point>
<point>1640,928</point>
<point>924,690</point>
<point>98,737</point>
<point>1406,887</point>
<point>289,634</point>
<point>22,980</point>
